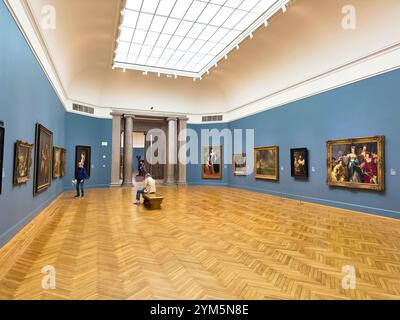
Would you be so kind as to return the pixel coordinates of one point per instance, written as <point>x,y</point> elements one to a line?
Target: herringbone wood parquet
<point>206,243</point>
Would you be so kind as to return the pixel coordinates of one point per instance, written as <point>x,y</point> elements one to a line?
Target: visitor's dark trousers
<point>138,193</point>
<point>79,185</point>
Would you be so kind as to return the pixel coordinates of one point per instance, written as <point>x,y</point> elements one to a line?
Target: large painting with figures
<point>211,162</point>
<point>357,163</point>
<point>22,162</point>
<point>2,130</point>
<point>63,163</point>
<point>57,154</point>
<point>266,163</point>
<point>43,159</point>
<point>83,155</point>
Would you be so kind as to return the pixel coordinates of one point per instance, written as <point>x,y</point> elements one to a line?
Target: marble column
<point>128,150</point>
<point>182,151</point>
<point>116,150</point>
<point>172,151</point>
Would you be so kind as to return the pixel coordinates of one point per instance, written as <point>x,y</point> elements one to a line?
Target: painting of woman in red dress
<point>369,168</point>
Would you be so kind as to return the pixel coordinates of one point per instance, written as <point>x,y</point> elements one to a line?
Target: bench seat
<point>152,200</point>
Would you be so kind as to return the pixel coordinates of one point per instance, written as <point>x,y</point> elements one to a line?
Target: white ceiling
<point>301,52</point>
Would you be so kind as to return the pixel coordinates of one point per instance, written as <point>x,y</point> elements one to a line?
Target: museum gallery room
<point>199,150</point>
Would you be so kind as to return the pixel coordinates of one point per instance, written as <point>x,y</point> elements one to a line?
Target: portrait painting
<point>22,162</point>
<point>357,163</point>
<point>63,166</point>
<point>57,153</point>
<point>299,163</point>
<point>43,159</point>
<point>211,162</point>
<point>83,155</point>
<point>2,133</point>
<point>266,163</point>
<point>239,164</point>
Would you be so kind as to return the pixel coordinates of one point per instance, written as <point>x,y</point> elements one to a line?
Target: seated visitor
<point>149,187</point>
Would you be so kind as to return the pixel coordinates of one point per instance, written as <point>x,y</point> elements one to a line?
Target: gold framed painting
<point>57,154</point>
<point>63,162</point>
<point>211,167</point>
<point>43,159</point>
<point>239,164</point>
<point>22,162</point>
<point>266,163</point>
<point>357,163</point>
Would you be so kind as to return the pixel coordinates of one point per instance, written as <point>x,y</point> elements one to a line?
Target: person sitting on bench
<point>149,187</point>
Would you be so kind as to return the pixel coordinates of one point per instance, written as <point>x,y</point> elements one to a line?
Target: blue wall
<point>26,98</point>
<point>365,108</point>
<point>87,131</point>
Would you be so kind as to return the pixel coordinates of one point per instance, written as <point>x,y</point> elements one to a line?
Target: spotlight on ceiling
<point>251,35</point>
<point>124,70</point>
<point>266,23</point>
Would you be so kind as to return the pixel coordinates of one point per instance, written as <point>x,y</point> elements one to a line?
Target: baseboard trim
<point>15,229</point>
<point>326,202</point>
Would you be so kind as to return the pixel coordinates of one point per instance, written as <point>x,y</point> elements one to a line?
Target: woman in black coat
<point>80,180</point>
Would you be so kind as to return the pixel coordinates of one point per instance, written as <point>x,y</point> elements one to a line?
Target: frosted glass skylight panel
<point>186,37</point>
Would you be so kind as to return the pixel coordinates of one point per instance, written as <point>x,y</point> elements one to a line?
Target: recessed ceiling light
<point>187,37</point>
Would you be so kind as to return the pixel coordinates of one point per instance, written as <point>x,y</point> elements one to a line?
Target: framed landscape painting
<point>266,163</point>
<point>63,162</point>
<point>43,159</point>
<point>211,162</point>
<point>22,162</point>
<point>57,154</point>
<point>357,163</point>
<point>2,133</point>
<point>299,163</point>
<point>83,154</point>
<point>239,164</point>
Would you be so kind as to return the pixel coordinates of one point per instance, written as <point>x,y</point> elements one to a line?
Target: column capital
<point>127,115</point>
<point>172,119</point>
<point>116,114</point>
<point>183,118</point>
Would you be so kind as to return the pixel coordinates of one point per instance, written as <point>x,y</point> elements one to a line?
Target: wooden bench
<point>152,201</point>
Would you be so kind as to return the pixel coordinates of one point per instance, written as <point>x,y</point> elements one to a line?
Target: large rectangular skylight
<point>186,37</point>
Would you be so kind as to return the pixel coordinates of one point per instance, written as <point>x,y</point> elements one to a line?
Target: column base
<point>127,184</point>
<point>115,185</point>
<point>182,183</point>
<point>170,183</point>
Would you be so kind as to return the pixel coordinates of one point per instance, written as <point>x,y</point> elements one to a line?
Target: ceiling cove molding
<point>381,61</point>
<point>22,14</point>
<point>373,64</point>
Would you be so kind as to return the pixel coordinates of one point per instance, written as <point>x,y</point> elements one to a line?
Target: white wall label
<point>282,169</point>
<point>393,172</point>
<point>104,144</point>
<point>104,156</point>
<point>313,169</point>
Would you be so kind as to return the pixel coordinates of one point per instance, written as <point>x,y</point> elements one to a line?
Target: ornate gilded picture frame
<point>357,163</point>
<point>211,162</point>
<point>63,162</point>
<point>239,164</point>
<point>266,163</point>
<point>43,159</point>
<point>22,162</point>
<point>57,161</point>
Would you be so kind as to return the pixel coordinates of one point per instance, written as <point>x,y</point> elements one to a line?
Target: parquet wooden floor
<point>206,243</point>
